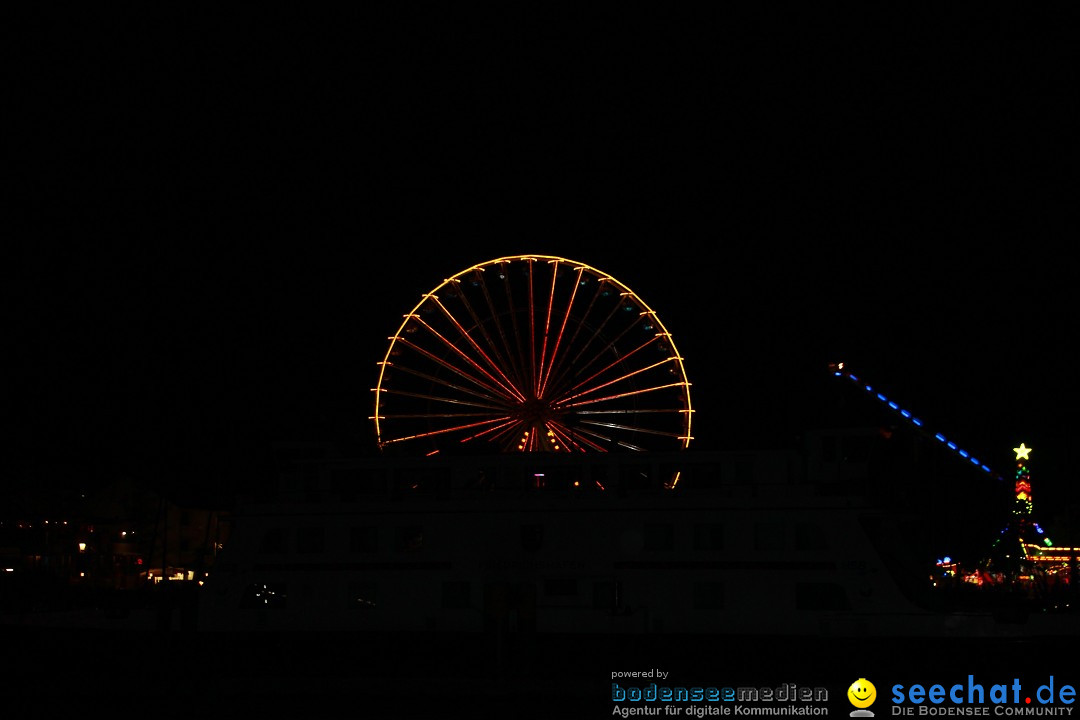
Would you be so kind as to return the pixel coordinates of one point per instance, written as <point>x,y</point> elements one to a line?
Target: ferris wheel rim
<point>684,436</point>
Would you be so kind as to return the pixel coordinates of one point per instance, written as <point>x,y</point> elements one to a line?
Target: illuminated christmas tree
<point>1016,552</point>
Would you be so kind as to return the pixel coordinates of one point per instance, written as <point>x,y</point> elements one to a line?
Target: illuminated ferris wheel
<point>531,353</point>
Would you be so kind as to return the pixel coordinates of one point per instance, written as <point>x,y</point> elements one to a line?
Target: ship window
<point>809,536</point>
<point>422,481</point>
<point>700,476</point>
<point>658,536</point>
<point>532,537</point>
<point>561,587</point>
<point>828,448</point>
<point>488,478</point>
<point>820,596</point>
<point>364,538</point>
<point>312,489</point>
<point>769,536</point>
<point>857,448</point>
<point>343,484</point>
<point>260,595</point>
<point>744,471</point>
<point>635,476</point>
<point>350,482</point>
<point>274,542</point>
<point>607,594</point>
<point>709,595</point>
<point>598,477</point>
<point>362,595</point>
<point>371,481</point>
<point>411,538</point>
<point>310,540</point>
<point>708,536</point>
<point>456,594</point>
<point>558,478</point>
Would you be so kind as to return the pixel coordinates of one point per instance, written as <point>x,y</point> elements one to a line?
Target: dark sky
<point>227,217</point>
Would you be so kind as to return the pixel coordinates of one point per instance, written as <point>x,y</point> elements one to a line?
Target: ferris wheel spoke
<point>575,437</point>
<point>645,413</point>
<point>565,363</point>
<point>505,434</point>
<point>562,329</point>
<point>522,363</point>
<point>547,326</point>
<point>501,361</point>
<point>567,439</point>
<point>433,415</point>
<point>614,341</point>
<point>584,434</point>
<point>516,438</point>
<point>532,328</point>
<point>611,439</point>
<point>584,322</point>
<point>497,430</point>
<point>440,431</point>
<point>564,402</point>
<point>559,433</point>
<point>511,390</point>
<point>631,411</point>
<point>609,349</point>
<point>447,385</point>
<point>499,392</point>
<point>487,359</point>
<point>630,428</point>
<point>618,361</point>
<point>622,395</point>
<point>512,363</point>
<point>440,399</point>
<point>599,329</point>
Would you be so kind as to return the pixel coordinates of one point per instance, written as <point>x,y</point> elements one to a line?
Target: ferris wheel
<point>531,353</point>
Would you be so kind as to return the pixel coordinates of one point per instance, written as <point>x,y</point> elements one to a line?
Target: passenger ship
<point>806,542</point>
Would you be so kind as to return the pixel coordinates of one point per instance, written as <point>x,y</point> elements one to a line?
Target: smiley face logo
<point>862,693</point>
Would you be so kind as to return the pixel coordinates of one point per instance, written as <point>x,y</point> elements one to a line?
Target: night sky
<point>221,222</point>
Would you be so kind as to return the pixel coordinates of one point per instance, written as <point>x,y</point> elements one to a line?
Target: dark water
<point>192,674</point>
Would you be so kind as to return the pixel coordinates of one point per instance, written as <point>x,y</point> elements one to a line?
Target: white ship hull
<point>426,548</point>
